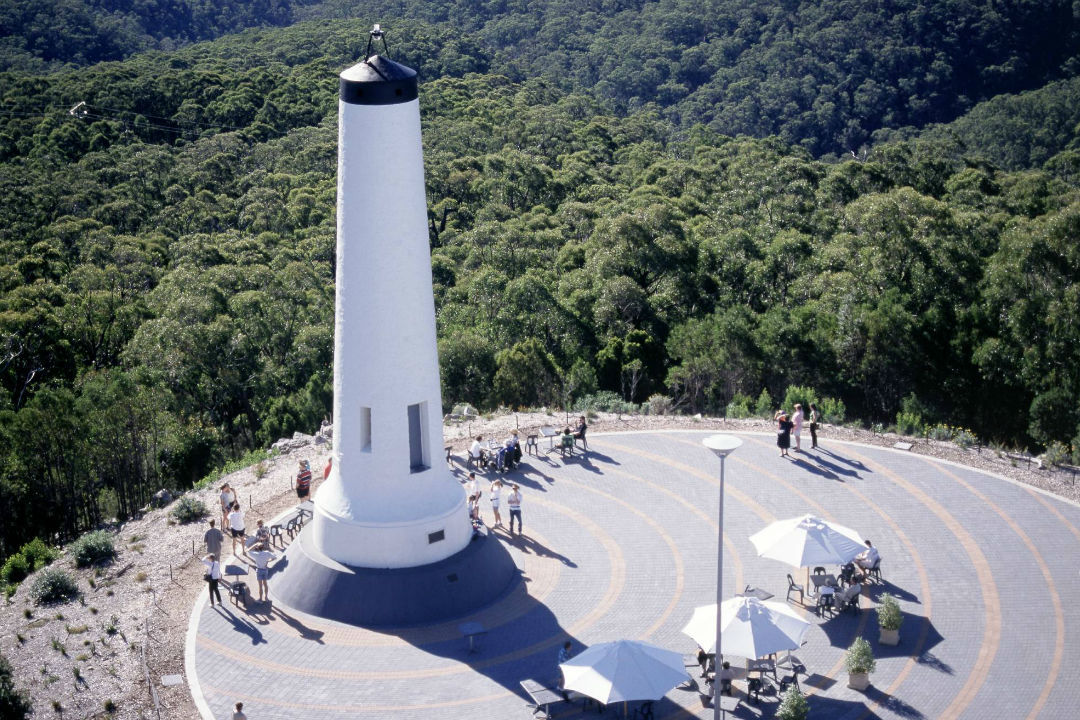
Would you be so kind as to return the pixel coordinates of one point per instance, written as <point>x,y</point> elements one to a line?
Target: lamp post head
<point>722,445</point>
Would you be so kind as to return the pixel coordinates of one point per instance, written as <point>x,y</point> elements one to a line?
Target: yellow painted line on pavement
<point>1055,599</point>
<point>991,601</point>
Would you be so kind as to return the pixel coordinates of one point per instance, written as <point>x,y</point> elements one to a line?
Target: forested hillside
<point>827,76</point>
<point>167,249</point>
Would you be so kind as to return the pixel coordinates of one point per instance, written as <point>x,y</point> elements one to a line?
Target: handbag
<point>206,577</point>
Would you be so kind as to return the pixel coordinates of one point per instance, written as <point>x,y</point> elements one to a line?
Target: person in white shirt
<point>226,498</point>
<point>476,451</point>
<point>213,577</point>
<point>496,493</point>
<point>513,501</point>
<point>868,557</point>
<point>797,421</point>
<point>236,527</point>
<point>262,555</point>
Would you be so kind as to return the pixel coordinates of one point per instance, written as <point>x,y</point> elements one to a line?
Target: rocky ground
<point>105,654</point>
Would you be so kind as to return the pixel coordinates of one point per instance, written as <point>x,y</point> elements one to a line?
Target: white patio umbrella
<point>807,541</point>
<point>624,670</point>
<point>750,628</point>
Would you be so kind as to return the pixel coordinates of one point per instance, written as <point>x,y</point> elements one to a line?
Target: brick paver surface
<point>622,544</point>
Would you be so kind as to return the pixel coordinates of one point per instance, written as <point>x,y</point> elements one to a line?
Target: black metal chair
<point>754,687</point>
<point>792,587</point>
<point>875,571</point>
<point>276,537</point>
<point>584,442</point>
<point>531,446</point>
<point>790,679</point>
<point>820,571</point>
<point>293,528</point>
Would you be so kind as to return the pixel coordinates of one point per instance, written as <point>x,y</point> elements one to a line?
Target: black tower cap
<point>378,81</point>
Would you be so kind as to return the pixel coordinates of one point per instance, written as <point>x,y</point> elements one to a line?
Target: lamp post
<point>722,446</point>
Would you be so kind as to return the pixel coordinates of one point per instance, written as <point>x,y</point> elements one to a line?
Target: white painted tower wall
<point>374,510</point>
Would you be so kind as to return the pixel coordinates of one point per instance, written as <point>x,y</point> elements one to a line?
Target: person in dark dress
<point>783,432</point>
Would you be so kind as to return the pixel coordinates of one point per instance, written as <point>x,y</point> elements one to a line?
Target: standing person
<point>213,539</point>
<point>513,501</point>
<point>213,577</point>
<point>496,492</point>
<point>227,498</point>
<point>783,432</point>
<point>239,713</point>
<point>471,486</point>
<point>303,480</point>
<point>236,527</point>
<point>262,555</point>
<point>564,656</point>
<point>797,422</point>
<point>815,418</point>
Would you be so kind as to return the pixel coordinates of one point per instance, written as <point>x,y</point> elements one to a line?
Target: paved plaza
<point>621,543</point>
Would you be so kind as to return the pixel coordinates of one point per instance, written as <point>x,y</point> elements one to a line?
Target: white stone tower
<point>390,541</point>
<point>390,500</point>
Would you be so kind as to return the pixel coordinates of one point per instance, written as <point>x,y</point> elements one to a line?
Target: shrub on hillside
<point>832,410</point>
<point>659,404</point>
<point>13,703</point>
<point>32,556</point>
<point>764,406</point>
<point>741,406</point>
<point>15,569</point>
<point>93,547</point>
<point>604,401</point>
<point>53,585</point>
<point>188,509</point>
<point>799,394</point>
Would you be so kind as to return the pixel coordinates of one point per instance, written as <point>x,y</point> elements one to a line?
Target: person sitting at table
<point>724,677</point>
<point>868,557</point>
<point>476,452</point>
<point>579,431</point>
<point>847,573</point>
<point>509,453</point>
<point>703,660</point>
<point>567,442</point>
<point>850,597</point>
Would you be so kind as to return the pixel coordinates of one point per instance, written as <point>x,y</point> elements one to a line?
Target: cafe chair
<point>753,689</point>
<point>275,536</point>
<point>530,445</point>
<point>820,571</point>
<point>584,442</point>
<point>644,711</point>
<point>875,571</point>
<point>792,587</point>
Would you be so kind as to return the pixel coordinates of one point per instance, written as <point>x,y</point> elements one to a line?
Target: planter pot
<point>889,637</point>
<point>858,681</point>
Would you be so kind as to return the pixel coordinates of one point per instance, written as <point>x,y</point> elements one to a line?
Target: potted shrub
<point>793,705</point>
<point>859,661</point>
<point>889,618</point>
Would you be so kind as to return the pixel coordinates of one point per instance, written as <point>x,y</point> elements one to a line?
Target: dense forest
<point>167,233</point>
